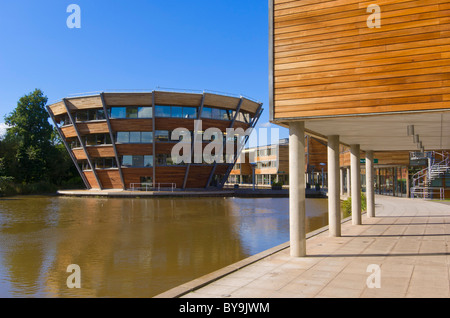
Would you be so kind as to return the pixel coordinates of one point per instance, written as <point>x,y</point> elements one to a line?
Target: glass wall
<point>131,112</point>
<point>134,137</point>
<point>176,111</point>
<point>130,161</point>
<point>89,114</point>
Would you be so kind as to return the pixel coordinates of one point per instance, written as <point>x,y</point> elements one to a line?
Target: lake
<point>129,247</point>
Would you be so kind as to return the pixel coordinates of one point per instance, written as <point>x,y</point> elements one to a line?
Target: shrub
<point>347,205</point>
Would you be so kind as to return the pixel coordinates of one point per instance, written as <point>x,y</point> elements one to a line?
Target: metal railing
<point>433,170</point>
<point>428,193</point>
<point>150,187</point>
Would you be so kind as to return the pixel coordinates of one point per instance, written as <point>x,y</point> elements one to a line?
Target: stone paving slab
<point>408,239</point>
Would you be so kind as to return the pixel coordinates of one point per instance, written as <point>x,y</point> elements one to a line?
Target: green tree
<point>31,133</point>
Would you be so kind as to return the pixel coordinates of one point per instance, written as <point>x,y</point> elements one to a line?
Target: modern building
<point>125,140</point>
<point>272,163</point>
<point>373,77</point>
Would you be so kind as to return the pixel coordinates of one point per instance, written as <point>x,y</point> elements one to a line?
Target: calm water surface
<point>133,247</point>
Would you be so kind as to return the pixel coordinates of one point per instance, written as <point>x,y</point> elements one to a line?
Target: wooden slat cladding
<point>134,149</point>
<point>131,124</point>
<point>198,176</point>
<point>328,62</point>
<point>92,128</point>
<point>69,131</point>
<point>58,108</point>
<point>84,103</point>
<point>177,99</point>
<point>110,179</point>
<point>100,151</point>
<point>128,99</point>
<point>133,175</point>
<point>91,179</point>
<point>167,175</point>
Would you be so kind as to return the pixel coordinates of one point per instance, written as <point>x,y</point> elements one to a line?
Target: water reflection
<point>133,247</point>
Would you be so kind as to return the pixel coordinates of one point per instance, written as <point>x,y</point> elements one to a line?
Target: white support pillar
<point>355,183</point>
<point>297,215</point>
<point>348,182</point>
<point>334,202</point>
<point>370,192</point>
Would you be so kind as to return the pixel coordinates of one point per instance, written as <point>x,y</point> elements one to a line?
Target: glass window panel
<point>177,112</point>
<point>169,160</point>
<point>216,113</point>
<point>161,159</point>
<point>123,137</point>
<point>108,139</point>
<point>91,140</point>
<point>127,161</point>
<point>101,139</point>
<point>135,137</point>
<point>145,112</point>
<point>148,161</point>
<point>162,135</point>
<point>162,111</point>
<point>207,112</point>
<point>132,112</point>
<point>82,115</point>
<point>224,114</point>
<point>100,114</point>
<point>92,114</point>
<point>138,161</point>
<point>118,112</point>
<point>147,137</point>
<point>189,112</point>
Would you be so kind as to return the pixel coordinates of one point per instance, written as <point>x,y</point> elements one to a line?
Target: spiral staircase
<point>422,181</point>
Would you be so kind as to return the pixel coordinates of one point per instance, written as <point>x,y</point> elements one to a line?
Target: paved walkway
<point>408,240</point>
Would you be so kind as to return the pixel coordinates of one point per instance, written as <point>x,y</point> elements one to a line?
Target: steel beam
<point>69,150</point>
<point>82,144</point>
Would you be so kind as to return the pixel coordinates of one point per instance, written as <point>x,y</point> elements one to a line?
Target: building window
<point>176,111</point>
<point>145,112</point>
<point>189,112</point>
<point>131,112</point>
<point>105,163</point>
<point>207,112</point>
<point>166,160</point>
<point>162,111</point>
<point>97,140</point>
<point>162,135</point>
<point>118,112</point>
<point>89,115</point>
<point>130,161</point>
<point>137,137</point>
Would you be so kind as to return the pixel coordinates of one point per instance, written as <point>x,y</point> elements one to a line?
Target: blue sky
<point>218,45</point>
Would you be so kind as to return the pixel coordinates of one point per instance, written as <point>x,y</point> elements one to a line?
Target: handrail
<point>150,186</point>
<point>427,192</point>
<point>426,172</point>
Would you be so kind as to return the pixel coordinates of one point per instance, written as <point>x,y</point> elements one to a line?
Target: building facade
<point>125,140</point>
<point>371,76</point>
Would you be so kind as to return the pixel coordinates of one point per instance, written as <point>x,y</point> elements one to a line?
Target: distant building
<point>124,140</point>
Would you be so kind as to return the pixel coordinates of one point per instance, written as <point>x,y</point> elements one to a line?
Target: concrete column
<point>370,191</point>
<point>341,178</point>
<point>334,207</point>
<point>355,183</point>
<point>348,182</point>
<point>297,215</point>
